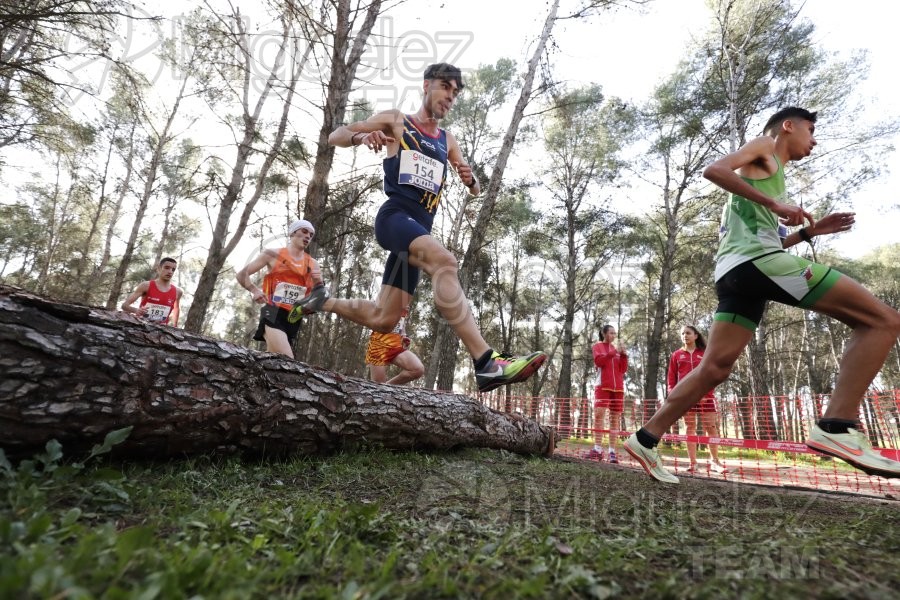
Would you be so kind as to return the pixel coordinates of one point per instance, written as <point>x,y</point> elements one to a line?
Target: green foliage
<point>404,525</point>
<point>42,43</point>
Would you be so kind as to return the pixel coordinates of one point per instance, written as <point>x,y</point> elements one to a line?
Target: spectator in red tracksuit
<point>609,392</point>
<point>683,361</point>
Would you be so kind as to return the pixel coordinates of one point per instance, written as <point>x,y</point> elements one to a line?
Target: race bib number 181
<point>420,171</point>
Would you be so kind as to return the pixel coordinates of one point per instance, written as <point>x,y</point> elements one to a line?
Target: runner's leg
<point>411,368</point>
<point>378,373</point>
<point>726,342</point>
<point>875,328</point>
<point>381,315</point>
<point>690,422</point>
<point>429,255</point>
<point>277,341</point>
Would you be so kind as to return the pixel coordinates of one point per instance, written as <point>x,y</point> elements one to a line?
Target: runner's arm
<point>455,158</point>
<point>139,291</point>
<point>723,173</point>
<point>176,309</point>
<point>375,132</point>
<point>243,276</point>
<point>833,223</point>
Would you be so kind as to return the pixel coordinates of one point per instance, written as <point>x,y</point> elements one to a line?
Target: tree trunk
<point>220,249</point>
<point>159,145</point>
<point>494,186</point>
<point>84,292</point>
<point>124,188</point>
<point>75,373</point>
<point>54,227</point>
<point>345,58</point>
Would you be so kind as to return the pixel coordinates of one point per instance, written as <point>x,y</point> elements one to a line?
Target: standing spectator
<point>611,362</point>
<point>683,361</point>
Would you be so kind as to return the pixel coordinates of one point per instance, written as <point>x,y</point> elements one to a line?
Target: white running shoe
<point>853,447</point>
<point>649,460</point>
<point>718,468</point>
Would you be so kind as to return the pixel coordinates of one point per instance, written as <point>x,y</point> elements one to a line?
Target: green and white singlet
<point>749,230</point>
<point>752,266</point>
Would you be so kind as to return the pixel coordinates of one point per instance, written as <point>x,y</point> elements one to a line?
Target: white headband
<point>301,223</point>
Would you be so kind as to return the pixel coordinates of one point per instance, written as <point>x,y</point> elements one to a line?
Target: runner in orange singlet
<point>292,273</point>
<point>393,349</point>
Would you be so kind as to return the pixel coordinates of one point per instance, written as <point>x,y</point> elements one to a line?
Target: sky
<point>631,50</point>
<point>628,51</point>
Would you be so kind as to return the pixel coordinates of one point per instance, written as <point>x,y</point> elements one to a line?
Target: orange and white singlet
<point>290,280</point>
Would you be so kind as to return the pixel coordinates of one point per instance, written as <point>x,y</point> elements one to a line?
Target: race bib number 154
<point>420,171</point>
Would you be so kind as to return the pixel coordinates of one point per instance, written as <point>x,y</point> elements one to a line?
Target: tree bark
<point>347,51</point>
<point>159,145</point>
<point>469,262</point>
<point>74,373</point>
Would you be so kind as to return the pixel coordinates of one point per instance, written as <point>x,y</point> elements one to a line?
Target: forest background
<point>197,130</point>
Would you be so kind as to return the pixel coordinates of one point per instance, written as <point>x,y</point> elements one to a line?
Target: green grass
<point>471,524</point>
<point>732,453</point>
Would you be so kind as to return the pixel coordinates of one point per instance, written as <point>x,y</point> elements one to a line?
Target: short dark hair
<point>445,71</point>
<point>168,259</point>
<point>604,329</point>
<point>791,112</point>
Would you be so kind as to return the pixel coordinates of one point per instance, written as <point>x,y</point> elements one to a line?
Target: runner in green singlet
<point>753,268</point>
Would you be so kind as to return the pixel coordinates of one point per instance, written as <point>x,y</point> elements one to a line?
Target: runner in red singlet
<point>160,299</point>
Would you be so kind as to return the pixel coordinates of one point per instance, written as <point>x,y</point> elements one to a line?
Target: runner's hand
<point>465,173</point>
<point>791,215</point>
<point>258,296</point>
<point>833,223</point>
<point>377,140</point>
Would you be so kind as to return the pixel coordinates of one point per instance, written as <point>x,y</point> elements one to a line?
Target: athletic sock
<point>646,439</point>
<point>836,425</point>
<point>598,448</point>
<point>482,361</point>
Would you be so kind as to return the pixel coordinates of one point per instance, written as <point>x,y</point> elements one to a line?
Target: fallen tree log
<point>74,373</point>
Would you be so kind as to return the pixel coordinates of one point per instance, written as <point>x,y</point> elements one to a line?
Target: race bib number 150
<point>420,171</point>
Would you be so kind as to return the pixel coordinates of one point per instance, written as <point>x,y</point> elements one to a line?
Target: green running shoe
<point>312,303</point>
<point>854,448</point>
<point>504,369</point>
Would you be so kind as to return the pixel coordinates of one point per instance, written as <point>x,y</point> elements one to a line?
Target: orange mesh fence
<point>760,439</point>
